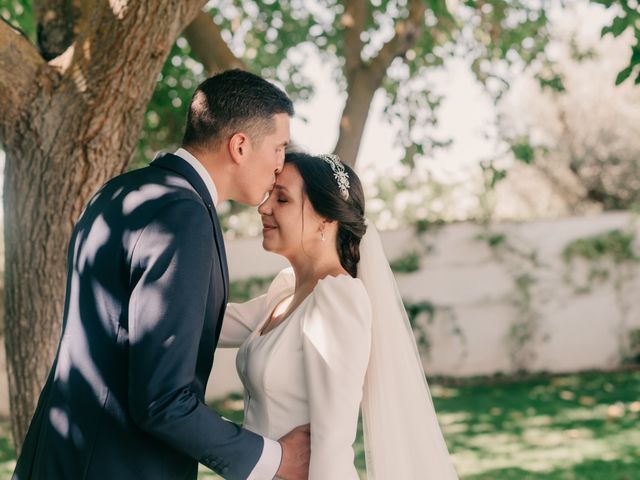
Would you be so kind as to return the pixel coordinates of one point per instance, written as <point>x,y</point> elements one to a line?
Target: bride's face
<point>291,225</point>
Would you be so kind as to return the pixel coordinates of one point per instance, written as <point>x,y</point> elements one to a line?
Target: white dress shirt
<point>271,457</point>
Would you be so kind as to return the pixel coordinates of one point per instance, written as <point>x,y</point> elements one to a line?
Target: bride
<point>331,335</point>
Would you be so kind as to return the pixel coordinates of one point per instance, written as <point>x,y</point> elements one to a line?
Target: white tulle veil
<point>402,437</point>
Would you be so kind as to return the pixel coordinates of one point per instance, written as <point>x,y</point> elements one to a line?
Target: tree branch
<point>124,26</point>
<point>19,66</point>
<point>408,32</point>
<point>353,22</point>
<point>364,79</point>
<point>208,46</point>
<point>55,21</point>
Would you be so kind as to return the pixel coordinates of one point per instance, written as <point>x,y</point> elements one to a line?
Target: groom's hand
<point>296,451</point>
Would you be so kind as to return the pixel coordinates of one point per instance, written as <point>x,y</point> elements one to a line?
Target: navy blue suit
<point>147,287</point>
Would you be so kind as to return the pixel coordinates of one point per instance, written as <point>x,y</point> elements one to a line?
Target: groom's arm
<point>171,272</point>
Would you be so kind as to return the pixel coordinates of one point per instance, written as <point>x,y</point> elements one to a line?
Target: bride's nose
<point>265,207</point>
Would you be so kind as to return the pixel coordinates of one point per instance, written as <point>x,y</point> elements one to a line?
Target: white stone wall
<point>562,320</point>
<point>481,293</point>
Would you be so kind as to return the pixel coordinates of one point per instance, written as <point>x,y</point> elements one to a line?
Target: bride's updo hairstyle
<point>327,196</point>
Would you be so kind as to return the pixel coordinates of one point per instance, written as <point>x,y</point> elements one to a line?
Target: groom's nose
<point>280,164</point>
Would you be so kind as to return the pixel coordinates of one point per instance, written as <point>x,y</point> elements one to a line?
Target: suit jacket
<point>146,292</point>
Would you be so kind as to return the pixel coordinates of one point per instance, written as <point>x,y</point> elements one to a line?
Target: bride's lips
<point>267,228</point>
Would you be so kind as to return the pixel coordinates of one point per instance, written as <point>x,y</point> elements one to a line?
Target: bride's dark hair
<point>321,187</point>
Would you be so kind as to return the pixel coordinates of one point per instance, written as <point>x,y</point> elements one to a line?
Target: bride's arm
<point>336,346</point>
<point>240,319</point>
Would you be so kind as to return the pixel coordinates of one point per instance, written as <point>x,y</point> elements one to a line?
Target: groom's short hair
<point>230,102</point>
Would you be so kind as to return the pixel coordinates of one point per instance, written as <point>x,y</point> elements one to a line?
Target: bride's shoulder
<point>341,292</point>
<point>341,281</point>
<point>339,314</point>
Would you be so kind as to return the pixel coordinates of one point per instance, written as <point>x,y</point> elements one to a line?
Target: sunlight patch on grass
<point>570,427</point>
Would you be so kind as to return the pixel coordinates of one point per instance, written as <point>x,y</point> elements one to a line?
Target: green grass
<point>566,427</point>
<point>569,427</point>
<point>7,456</point>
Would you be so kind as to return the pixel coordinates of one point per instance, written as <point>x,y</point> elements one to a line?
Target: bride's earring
<point>322,235</point>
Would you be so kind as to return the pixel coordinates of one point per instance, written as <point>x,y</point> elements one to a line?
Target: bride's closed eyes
<point>280,190</point>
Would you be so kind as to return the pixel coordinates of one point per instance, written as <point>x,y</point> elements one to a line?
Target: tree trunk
<point>360,91</point>
<point>76,124</point>
<point>364,78</point>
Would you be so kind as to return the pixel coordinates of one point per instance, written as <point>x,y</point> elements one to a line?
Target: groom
<point>147,287</point>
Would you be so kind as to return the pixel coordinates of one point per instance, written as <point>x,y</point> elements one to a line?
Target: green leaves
<point>624,74</point>
<point>629,17</point>
<point>492,174</point>
<point>634,66</point>
<point>616,28</point>
<point>554,82</point>
<point>19,13</point>
<point>523,151</point>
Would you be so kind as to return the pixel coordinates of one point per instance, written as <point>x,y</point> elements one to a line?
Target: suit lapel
<point>178,165</point>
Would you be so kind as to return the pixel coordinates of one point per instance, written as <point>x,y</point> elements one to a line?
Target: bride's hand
<point>296,451</point>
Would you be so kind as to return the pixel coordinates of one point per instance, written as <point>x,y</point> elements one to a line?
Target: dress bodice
<point>308,369</point>
<point>271,369</point>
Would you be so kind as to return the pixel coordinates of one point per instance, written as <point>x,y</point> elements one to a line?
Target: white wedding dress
<point>309,369</point>
<point>349,346</point>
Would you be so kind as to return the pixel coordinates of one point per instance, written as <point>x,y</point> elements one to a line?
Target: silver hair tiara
<point>339,173</point>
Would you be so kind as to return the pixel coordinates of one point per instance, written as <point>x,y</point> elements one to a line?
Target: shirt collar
<point>204,174</point>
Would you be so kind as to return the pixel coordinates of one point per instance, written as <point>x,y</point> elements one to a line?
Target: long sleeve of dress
<point>240,319</point>
<point>336,345</point>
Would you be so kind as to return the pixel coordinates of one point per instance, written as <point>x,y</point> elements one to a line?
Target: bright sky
<point>464,115</point>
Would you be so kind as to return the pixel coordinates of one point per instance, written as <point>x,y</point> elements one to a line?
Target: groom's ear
<point>239,146</point>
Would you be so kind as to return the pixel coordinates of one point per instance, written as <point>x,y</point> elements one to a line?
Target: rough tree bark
<point>67,125</point>
<point>208,46</point>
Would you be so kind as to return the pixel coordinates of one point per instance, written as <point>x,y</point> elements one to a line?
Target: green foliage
<point>555,82</point>
<point>243,290</point>
<point>522,147</point>
<point>263,33</point>
<point>627,18</point>
<point>414,311</point>
<point>167,110</point>
<point>624,74</point>
<point>505,32</point>
<point>423,225</point>
<point>525,327</point>
<point>616,245</point>
<point>492,174</point>
<point>565,427</point>
<point>275,38</point>
<point>409,262</point>
<point>19,13</point>
<point>493,239</point>
<point>605,254</point>
<point>632,356</point>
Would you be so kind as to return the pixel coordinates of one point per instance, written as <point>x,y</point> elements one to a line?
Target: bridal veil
<point>402,437</point>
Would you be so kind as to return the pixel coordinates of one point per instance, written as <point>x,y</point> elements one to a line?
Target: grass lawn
<point>584,427</point>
